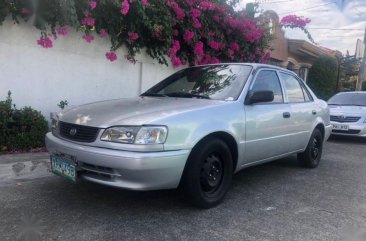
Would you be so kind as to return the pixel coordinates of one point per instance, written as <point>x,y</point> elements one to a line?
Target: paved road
<point>275,201</point>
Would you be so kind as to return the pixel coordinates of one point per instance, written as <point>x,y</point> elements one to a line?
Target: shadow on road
<point>109,199</point>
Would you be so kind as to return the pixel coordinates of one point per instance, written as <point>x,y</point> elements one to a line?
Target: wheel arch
<point>225,137</point>
<point>321,127</point>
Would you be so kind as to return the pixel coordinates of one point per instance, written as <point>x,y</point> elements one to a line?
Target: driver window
<point>268,80</point>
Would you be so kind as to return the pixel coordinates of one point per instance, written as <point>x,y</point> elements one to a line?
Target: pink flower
<point>132,36</point>
<point>195,13</point>
<point>62,30</point>
<point>159,35</point>
<point>89,21</point>
<point>233,23</point>
<point>265,57</point>
<point>216,18</point>
<point>207,6</point>
<point>198,48</point>
<point>196,23</point>
<point>176,61</point>
<point>175,32</point>
<point>111,56</point>
<point>188,36</point>
<point>214,45</point>
<point>103,33</point>
<point>221,8</point>
<point>230,54</point>
<point>125,7</point>
<point>179,13</point>
<point>211,33</point>
<point>234,46</point>
<point>293,21</point>
<point>175,46</point>
<point>253,35</point>
<point>45,42</point>
<point>92,4</point>
<point>88,38</point>
<point>144,3</point>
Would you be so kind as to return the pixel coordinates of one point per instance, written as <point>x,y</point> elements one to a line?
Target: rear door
<point>267,133</point>
<point>303,110</point>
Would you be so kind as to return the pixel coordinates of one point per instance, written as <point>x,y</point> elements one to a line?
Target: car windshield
<point>358,99</point>
<point>219,82</point>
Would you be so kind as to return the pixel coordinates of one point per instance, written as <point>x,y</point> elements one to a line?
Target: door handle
<point>313,112</point>
<point>286,115</point>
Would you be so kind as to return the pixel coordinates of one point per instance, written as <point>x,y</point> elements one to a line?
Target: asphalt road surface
<point>275,201</point>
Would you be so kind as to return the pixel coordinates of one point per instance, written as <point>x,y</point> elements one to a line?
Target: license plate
<point>63,168</point>
<point>340,127</point>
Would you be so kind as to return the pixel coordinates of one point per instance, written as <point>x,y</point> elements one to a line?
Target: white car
<point>348,113</point>
<point>194,129</point>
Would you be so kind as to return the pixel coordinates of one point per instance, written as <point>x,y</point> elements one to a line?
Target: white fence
<point>72,70</point>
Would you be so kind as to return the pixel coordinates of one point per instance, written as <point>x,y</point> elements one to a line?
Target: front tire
<point>310,158</point>
<point>208,173</point>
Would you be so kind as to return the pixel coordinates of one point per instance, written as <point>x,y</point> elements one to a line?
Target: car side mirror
<point>259,96</point>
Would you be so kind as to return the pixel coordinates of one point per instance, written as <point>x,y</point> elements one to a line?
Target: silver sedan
<point>348,113</point>
<point>194,129</point>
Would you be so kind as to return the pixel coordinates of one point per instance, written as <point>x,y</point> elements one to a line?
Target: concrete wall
<point>73,70</point>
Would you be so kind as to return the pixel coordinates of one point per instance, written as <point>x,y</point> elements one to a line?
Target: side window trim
<point>305,90</point>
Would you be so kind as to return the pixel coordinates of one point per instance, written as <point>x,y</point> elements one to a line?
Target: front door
<point>267,123</point>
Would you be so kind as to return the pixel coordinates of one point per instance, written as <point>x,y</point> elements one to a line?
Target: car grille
<point>352,132</point>
<point>82,133</point>
<point>343,119</point>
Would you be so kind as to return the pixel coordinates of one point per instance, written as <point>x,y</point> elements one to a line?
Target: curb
<point>23,157</point>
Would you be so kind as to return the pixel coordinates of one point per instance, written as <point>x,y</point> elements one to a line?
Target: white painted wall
<point>73,70</point>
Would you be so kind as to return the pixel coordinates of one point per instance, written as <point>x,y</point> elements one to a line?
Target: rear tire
<point>310,158</point>
<point>208,173</point>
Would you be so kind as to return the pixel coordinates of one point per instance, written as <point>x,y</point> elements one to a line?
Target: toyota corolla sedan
<point>193,130</point>
<point>348,113</point>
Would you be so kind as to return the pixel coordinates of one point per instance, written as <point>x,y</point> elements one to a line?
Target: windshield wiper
<point>186,95</point>
<point>153,95</point>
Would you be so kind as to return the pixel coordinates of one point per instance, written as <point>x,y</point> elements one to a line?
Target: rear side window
<point>294,90</point>
<point>268,80</point>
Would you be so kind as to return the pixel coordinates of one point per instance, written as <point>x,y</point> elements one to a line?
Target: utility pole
<point>362,73</point>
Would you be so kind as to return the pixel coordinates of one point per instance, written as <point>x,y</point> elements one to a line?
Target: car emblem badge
<point>73,132</point>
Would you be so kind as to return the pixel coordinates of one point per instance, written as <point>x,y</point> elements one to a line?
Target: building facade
<point>294,54</point>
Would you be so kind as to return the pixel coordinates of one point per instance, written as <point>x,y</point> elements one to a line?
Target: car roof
<point>254,65</point>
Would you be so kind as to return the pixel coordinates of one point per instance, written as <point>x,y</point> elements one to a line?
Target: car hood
<point>347,110</point>
<point>136,111</point>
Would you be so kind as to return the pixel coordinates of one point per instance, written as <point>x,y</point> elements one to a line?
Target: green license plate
<point>63,168</point>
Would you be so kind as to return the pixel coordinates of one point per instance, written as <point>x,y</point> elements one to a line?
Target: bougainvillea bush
<point>294,21</point>
<point>186,31</point>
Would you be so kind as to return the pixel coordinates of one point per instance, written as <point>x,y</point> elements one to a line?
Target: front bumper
<point>354,129</point>
<point>328,130</point>
<point>125,169</point>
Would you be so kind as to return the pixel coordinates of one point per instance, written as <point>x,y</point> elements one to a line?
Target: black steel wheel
<point>311,156</point>
<point>208,172</point>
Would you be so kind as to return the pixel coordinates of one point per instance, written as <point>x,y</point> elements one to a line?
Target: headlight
<point>136,135</point>
<point>151,135</point>
<point>120,134</point>
<point>54,124</point>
